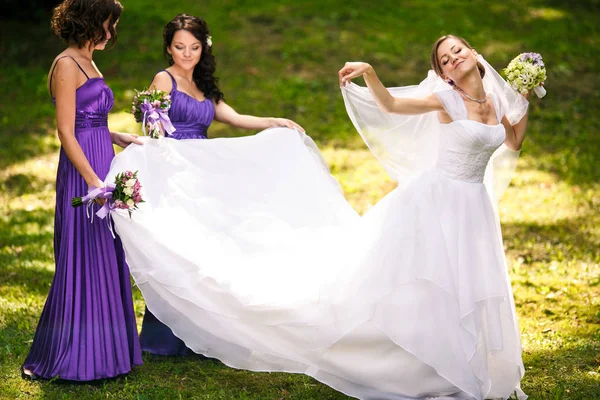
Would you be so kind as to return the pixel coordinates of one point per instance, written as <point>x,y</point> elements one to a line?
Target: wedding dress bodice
<point>466,145</point>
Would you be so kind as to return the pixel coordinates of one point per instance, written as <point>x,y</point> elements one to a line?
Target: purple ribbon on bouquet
<point>153,115</point>
<point>105,193</point>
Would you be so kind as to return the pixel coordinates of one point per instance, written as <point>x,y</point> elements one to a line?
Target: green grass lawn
<point>281,58</point>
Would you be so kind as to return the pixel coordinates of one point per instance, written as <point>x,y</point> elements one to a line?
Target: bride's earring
<point>448,80</point>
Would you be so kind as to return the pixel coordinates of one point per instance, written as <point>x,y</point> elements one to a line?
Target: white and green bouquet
<point>527,72</point>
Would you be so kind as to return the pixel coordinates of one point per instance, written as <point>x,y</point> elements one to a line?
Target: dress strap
<point>172,79</point>
<point>453,104</point>
<point>54,67</point>
<point>86,75</point>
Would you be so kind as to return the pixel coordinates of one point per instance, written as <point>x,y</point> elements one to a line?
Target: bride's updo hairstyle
<point>435,62</point>
<point>81,21</point>
<point>203,75</point>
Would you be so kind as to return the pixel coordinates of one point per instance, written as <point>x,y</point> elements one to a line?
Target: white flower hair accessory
<point>209,41</point>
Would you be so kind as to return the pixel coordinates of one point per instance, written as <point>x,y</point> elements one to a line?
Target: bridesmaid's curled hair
<point>203,75</point>
<point>81,21</point>
<point>435,62</point>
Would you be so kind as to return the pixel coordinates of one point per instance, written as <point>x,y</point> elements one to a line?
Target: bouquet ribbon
<point>100,193</point>
<point>153,115</point>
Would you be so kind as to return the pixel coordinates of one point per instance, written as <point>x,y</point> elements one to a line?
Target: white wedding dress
<point>248,250</point>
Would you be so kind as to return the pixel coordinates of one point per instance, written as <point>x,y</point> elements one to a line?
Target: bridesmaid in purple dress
<point>196,102</point>
<point>87,329</point>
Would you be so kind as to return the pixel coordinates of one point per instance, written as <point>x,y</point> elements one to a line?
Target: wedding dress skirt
<point>247,249</point>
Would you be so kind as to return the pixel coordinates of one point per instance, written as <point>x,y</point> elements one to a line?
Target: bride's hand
<point>288,123</point>
<point>528,94</point>
<point>353,70</point>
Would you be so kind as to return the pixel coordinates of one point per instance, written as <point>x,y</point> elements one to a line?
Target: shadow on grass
<point>565,239</point>
<point>570,373</point>
<point>23,184</point>
<point>22,144</point>
<point>32,280</point>
<point>22,227</point>
<point>26,251</point>
<point>585,5</point>
<point>17,331</point>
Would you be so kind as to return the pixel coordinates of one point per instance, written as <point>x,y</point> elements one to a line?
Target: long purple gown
<point>87,329</point>
<point>191,119</point>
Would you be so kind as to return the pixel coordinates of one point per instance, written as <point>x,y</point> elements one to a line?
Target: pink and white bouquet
<point>124,194</point>
<point>151,107</point>
<point>527,72</point>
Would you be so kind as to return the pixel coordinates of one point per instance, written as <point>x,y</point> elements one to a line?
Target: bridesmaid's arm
<point>227,115</point>
<point>65,82</point>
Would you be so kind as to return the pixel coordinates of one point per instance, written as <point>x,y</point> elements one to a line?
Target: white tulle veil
<point>407,145</point>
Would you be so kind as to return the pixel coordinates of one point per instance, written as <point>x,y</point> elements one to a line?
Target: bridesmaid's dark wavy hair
<point>81,21</point>
<point>435,62</point>
<point>203,75</point>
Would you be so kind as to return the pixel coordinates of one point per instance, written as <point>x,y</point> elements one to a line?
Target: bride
<point>249,252</point>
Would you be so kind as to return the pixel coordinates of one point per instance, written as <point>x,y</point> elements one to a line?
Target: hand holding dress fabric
<point>287,123</point>
<point>352,70</point>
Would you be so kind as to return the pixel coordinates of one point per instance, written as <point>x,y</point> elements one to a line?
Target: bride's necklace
<point>471,98</point>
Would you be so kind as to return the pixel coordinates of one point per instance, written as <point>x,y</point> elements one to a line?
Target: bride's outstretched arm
<point>382,96</point>
<point>226,114</point>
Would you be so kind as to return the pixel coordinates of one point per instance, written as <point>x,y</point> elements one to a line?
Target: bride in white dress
<point>247,249</point>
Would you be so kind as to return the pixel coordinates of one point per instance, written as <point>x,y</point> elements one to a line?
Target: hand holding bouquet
<point>151,107</point>
<point>526,72</point>
<point>124,194</point>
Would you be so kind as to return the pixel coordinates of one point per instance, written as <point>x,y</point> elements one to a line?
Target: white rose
<point>130,182</point>
<point>128,191</point>
<point>130,203</point>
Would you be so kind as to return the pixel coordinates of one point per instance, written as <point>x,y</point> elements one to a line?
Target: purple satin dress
<point>191,119</point>
<point>87,329</point>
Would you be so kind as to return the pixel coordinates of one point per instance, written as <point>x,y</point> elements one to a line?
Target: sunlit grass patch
<point>361,176</point>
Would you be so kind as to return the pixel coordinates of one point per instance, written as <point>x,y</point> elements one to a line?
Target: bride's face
<point>185,49</point>
<point>456,59</point>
